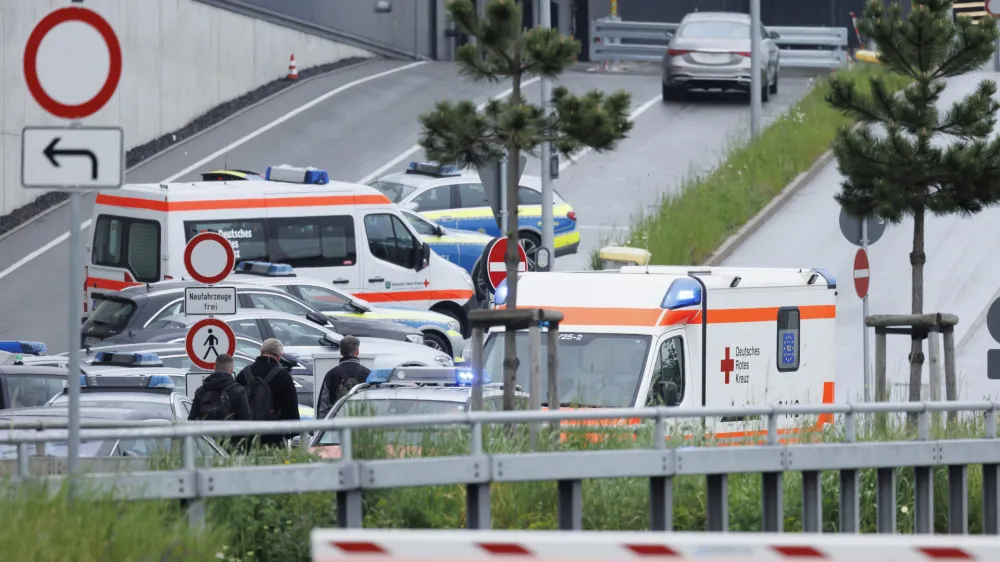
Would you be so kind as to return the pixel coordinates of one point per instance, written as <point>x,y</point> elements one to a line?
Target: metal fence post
<point>661,488</point>
<point>570,505</point>
<point>717,502</point>
<point>195,507</point>
<point>991,481</point>
<point>812,501</point>
<point>23,462</point>
<point>958,499</point>
<point>349,502</point>
<point>477,496</point>
<point>885,502</point>
<point>772,493</point>
<point>478,338</point>
<point>850,483</point>
<point>923,486</point>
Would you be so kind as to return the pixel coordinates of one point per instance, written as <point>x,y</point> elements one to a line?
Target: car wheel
<point>436,341</point>
<point>530,242</point>
<point>774,86</point>
<point>765,90</point>
<point>671,93</point>
<point>481,283</point>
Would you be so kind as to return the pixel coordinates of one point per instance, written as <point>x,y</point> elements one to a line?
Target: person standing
<point>270,390</point>
<point>342,378</point>
<point>221,398</point>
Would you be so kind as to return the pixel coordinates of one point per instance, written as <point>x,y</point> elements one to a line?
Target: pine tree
<point>456,132</point>
<point>908,157</point>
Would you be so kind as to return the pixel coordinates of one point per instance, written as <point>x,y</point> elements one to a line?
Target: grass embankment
<point>706,209</point>
<point>276,528</point>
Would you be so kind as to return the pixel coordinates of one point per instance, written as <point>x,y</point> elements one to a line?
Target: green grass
<point>276,528</point>
<point>708,208</point>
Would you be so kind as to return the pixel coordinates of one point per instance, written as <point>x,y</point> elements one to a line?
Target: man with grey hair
<point>270,389</point>
<point>340,379</point>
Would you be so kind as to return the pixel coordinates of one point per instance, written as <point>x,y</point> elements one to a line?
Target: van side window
<point>434,199</point>
<point>528,196</point>
<point>389,240</point>
<point>127,243</point>
<point>667,385</point>
<point>248,237</point>
<point>788,339</point>
<point>472,195</point>
<point>312,241</point>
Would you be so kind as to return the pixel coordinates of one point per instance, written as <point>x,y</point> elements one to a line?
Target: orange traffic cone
<point>293,71</point>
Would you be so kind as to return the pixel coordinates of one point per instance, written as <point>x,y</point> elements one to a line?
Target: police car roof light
<point>500,295</point>
<point>27,347</point>
<point>291,174</point>
<point>160,381</point>
<point>377,376</point>
<point>435,375</point>
<point>682,292</point>
<point>127,359</point>
<point>265,268</point>
<point>432,169</point>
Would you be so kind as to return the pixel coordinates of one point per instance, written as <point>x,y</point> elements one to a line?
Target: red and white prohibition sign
<point>206,340</point>
<point>861,273</point>
<point>496,268</point>
<point>209,258</point>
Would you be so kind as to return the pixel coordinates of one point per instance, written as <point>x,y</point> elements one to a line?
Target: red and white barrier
<point>426,546</point>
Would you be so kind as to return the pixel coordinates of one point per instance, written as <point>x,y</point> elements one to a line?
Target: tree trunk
<point>513,257</point>
<point>917,260</point>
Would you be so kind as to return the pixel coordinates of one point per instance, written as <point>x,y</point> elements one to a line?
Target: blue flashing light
<point>433,169</point>
<point>160,381</point>
<point>290,174</point>
<point>25,347</point>
<point>265,268</point>
<point>83,380</point>
<point>378,376</point>
<point>500,295</point>
<point>682,292</point>
<point>831,281</point>
<point>127,359</point>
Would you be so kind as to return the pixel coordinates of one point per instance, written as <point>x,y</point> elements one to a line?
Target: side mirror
<point>325,341</point>
<point>668,394</point>
<point>287,362</point>
<point>438,230</point>
<point>421,255</point>
<point>318,318</point>
<point>356,305</point>
<point>773,35</point>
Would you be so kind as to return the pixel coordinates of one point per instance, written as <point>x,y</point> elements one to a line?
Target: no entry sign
<point>861,273</point>
<point>72,62</point>
<point>209,258</point>
<point>206,340</point>
<point>496,268</point>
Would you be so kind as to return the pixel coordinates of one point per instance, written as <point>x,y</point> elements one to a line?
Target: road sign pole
<point>864,315</point>
<point>75,302</point>
<point>755,82</point>
<point>548,224</point>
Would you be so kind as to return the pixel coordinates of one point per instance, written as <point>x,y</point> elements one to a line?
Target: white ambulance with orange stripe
<point>347,234</point>
<point>686,337</point>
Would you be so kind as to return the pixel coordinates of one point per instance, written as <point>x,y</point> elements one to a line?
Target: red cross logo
<point>728,365</point>
<point>426,283</point>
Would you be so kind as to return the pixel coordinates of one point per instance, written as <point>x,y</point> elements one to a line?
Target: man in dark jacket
<point>342,378</point>
<point>283,396</point>
<point>220,397</point>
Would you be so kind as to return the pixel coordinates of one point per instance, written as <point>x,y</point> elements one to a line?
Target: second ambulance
<point>347,234</point>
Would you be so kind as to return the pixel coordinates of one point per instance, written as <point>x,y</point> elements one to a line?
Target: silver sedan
<point>711,51</point>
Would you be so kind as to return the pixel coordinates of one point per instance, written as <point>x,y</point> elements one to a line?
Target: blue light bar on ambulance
<point>127,359</point>
<point>500,295</point>
<point>685,291</point>
<point>290,174</point>
<point>426,375</point>
<point>25,347</point>
<point>432,169</point>
<point>265,268</point>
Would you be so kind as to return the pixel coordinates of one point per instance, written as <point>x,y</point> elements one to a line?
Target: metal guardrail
<point>349,478</point>
<point>801,47</point>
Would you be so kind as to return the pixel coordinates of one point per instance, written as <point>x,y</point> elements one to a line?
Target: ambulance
<point>347,234</point>
<point>687,338</point>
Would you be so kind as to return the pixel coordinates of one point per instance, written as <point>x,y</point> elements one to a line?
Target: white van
<point>686,337</point>
<point>347,234</point>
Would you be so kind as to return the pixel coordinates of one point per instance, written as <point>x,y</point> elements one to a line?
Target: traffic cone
<point>293,72</point>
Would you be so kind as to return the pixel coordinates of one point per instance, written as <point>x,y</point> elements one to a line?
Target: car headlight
<point>444,361</point>
<point>415,338</point>
<point>455,325</point>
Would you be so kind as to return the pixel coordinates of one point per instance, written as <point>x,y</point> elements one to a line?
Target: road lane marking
<point>65,235</point>
<point>416,148</point>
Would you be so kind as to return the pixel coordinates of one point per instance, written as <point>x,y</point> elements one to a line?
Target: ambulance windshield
<point>595,370</point>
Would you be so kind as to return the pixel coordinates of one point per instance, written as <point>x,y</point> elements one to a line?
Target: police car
<point>456,199</point>
<point>413,391</point>
<point>461,247</point>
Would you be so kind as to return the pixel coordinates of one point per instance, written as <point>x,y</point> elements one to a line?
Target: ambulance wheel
<point>436,341</point>
<point>480,283</point>
<point>531,243</point>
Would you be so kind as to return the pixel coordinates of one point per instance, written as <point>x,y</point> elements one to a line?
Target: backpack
<point>216,405</point>
<point>259,394</point>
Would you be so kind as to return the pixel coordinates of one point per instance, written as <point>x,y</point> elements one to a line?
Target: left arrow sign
<point>51,152</point>
<point>72,158</point>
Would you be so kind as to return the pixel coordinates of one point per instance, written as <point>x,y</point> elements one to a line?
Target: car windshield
<point>714,30</point>
<point>396,192</point>
<point>33,390</point>
<point>391,407</point>
<point>162,409</point>
<point>422,227</point>
<point>112,314</point>
<point>88,449</point>
<point>595,370</point>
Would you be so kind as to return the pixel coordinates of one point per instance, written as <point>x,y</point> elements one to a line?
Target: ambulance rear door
<point>124,250</point>
<point>394,270</point>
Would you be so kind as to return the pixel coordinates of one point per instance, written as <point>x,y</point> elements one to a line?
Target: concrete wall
<point>181,58</point>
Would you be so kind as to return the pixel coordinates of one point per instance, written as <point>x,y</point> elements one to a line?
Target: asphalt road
<point>360,130</point>
<point>958,276</point>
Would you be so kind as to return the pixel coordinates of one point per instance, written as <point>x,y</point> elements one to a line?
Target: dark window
<point>472,195</point>
<point>299,242</point>
<point>323,299</point>
<point>788,339</point>
<point>528,196</point>
<point>248,237</point>
<point>396,192</point>
<point>130,244</point>
<point>112,314</point>
<point>667,386</point>
<point>33,390</point>
<point>389,240</point>
<point>715,30</point>
<point>247,328</point>
<point>293,333</point>
<point>434,199</point>
<point>422,226</point>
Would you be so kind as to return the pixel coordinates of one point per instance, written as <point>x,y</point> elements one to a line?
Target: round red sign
<point>861,273</point>
<point>496,268</point>
<point>107,33</point>
<point>209,258</point>
<point>206,340</point>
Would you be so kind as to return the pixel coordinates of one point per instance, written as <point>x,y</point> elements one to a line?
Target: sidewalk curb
<point>736,240</point>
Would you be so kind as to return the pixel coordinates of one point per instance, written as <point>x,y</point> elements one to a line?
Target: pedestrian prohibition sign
<point>206,340</point>
<point>72,62</point>
<point>497,269</point>
<point>209,258</point>
<point>861,273</point>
